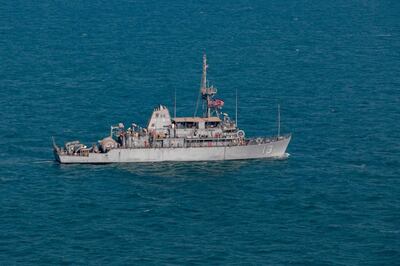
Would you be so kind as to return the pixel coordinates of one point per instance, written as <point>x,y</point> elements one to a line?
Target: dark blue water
<point>70,69</point>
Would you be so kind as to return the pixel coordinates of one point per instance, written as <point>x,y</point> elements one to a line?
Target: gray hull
<point>275,149</point>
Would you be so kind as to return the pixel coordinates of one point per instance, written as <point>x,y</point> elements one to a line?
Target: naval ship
<point>211,136</point>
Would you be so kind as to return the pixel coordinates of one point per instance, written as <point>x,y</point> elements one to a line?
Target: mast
<point>207,93</point>
<point>204,89</point>
<point>175,103</point>
<point>204,76</point>
<point>236,109</point>
<point>279,120</point>
<point>203,85</point>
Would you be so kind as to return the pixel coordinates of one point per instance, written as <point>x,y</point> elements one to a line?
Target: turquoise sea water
<point>70,69</point>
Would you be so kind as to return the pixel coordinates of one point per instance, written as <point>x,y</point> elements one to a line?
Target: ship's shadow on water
<point>192,169</point>
<point>184,170</point>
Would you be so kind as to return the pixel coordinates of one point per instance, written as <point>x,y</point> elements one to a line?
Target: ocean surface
<point>70,69</point>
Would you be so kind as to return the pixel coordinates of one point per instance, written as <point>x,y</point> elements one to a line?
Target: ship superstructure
<point>211,136</point>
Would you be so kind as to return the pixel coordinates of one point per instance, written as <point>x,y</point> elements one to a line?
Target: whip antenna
<point>279,120</point>
<point>175,104</point>
<point>236,109</point>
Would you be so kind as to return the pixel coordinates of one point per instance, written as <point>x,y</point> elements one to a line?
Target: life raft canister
<point>240,134</point>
